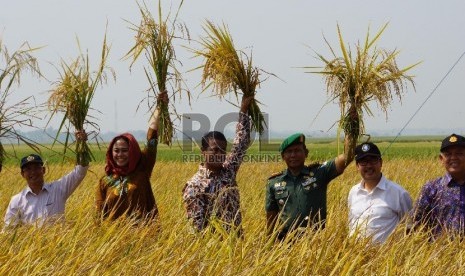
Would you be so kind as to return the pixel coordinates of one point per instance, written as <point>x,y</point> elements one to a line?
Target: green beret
<point>294,138</point>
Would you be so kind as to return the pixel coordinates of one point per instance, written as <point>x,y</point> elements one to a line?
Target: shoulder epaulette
<point>313,165</point>
<point>275,175</point>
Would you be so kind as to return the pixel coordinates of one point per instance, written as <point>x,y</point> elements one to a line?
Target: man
<point>297,196</point>
<point>43,203</point>
<point>376,204</point>
<point>441,204</point>
<point>212,192</point>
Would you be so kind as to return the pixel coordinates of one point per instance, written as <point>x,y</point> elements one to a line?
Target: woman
<point>125,190</point>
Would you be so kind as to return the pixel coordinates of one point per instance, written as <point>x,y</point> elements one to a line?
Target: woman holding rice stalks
<point>125,190</point>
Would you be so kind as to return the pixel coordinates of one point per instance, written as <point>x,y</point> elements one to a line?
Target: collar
<point>449,182</point>
<point>204,172</point>
<point>382,184</point>
<point>29,190</point>
<point>304,171</point>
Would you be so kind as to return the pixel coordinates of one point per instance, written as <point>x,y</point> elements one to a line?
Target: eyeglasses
<point>368,161</point>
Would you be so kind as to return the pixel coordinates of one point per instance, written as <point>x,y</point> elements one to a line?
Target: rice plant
<point>72,95</point>
<point>155,39</point>
<point>21,113</point>
<point>356,78</point>
<point>226,69</point>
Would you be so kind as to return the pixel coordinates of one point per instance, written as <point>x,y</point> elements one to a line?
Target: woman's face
<point>120,153</point>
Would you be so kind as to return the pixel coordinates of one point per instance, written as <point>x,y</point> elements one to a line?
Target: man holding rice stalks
<point>296,197</point>
<point>211,196</point>
<point>125,190</point>
<point>376,204</point>
<point>440,208</point>
<point>44,203</point>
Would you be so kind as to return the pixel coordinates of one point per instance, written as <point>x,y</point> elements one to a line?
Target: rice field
<point>81,247</point>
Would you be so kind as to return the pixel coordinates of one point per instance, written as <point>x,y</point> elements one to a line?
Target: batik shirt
<point>441,206</point>
<point>208,195</point>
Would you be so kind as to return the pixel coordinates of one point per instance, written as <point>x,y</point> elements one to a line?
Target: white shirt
<point>49,205</point>
<point>376,213</point>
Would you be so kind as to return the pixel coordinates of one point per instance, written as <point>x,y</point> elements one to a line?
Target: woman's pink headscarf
<point>134,156</point>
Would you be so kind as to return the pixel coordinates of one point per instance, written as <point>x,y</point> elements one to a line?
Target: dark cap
<point>293,139</point>
<point>452,140</point>
<point>31,158</point>
<point>366,149</point>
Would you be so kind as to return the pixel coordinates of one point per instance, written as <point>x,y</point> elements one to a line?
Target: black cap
<point>452,140</point>
<point>366,149</point>
<point>31,158</point>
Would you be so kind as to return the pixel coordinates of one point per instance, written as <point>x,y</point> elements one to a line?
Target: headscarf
<point>134,156</point>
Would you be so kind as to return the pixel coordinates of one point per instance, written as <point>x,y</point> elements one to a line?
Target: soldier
<point>298,194</point>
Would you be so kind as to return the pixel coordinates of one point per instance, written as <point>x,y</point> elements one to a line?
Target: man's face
<point>453,160</point>
<point>34,174</point>
<point>295,156</point>
<point>369,168</point>
<point>214,155</point>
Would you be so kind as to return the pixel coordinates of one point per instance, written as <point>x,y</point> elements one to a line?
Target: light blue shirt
<point>46,207</point>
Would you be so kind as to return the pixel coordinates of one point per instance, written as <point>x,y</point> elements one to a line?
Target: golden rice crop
<point>73,94</point>
<point>357,78</point>
<point>227,70</point>
<point>155,40</point>
<point>82,247</point>
<point>13,116</point>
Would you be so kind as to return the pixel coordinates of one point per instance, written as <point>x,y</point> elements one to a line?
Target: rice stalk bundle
<point>356,79</point>
<point>226,69</point>
<point>20,113</point>
<point>73,94</point>
<point>155,40</point>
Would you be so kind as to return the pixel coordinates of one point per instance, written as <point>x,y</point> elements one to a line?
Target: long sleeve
<point>150,151</point>
<point>240,144</point>
<point>71,181</point>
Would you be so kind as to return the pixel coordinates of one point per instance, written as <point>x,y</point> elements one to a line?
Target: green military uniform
<point>300,199</point>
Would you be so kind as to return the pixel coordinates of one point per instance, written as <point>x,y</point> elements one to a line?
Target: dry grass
<point>19,114</point>
<point>72,96</point>
<point>226,69</point>
<point>356,78</point>
<point>155,38</point>
<point>81,247</point>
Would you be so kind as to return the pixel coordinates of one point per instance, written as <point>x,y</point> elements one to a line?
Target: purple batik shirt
<point>441,206</point>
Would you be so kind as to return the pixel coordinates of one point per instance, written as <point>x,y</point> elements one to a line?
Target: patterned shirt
<point>132,195</point>
<point>208,195</point>
<point>441,206</point>
<point>47,206</point>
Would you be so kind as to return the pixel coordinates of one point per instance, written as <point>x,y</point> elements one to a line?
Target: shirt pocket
<point>281,195</point>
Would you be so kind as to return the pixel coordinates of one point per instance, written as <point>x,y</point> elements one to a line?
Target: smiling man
<point>41,202</point>
<point>376,204</point>
<point>296,197</point>
<point>441,204</point>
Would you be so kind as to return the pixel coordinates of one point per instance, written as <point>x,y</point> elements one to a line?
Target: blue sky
<point>280,37</point>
